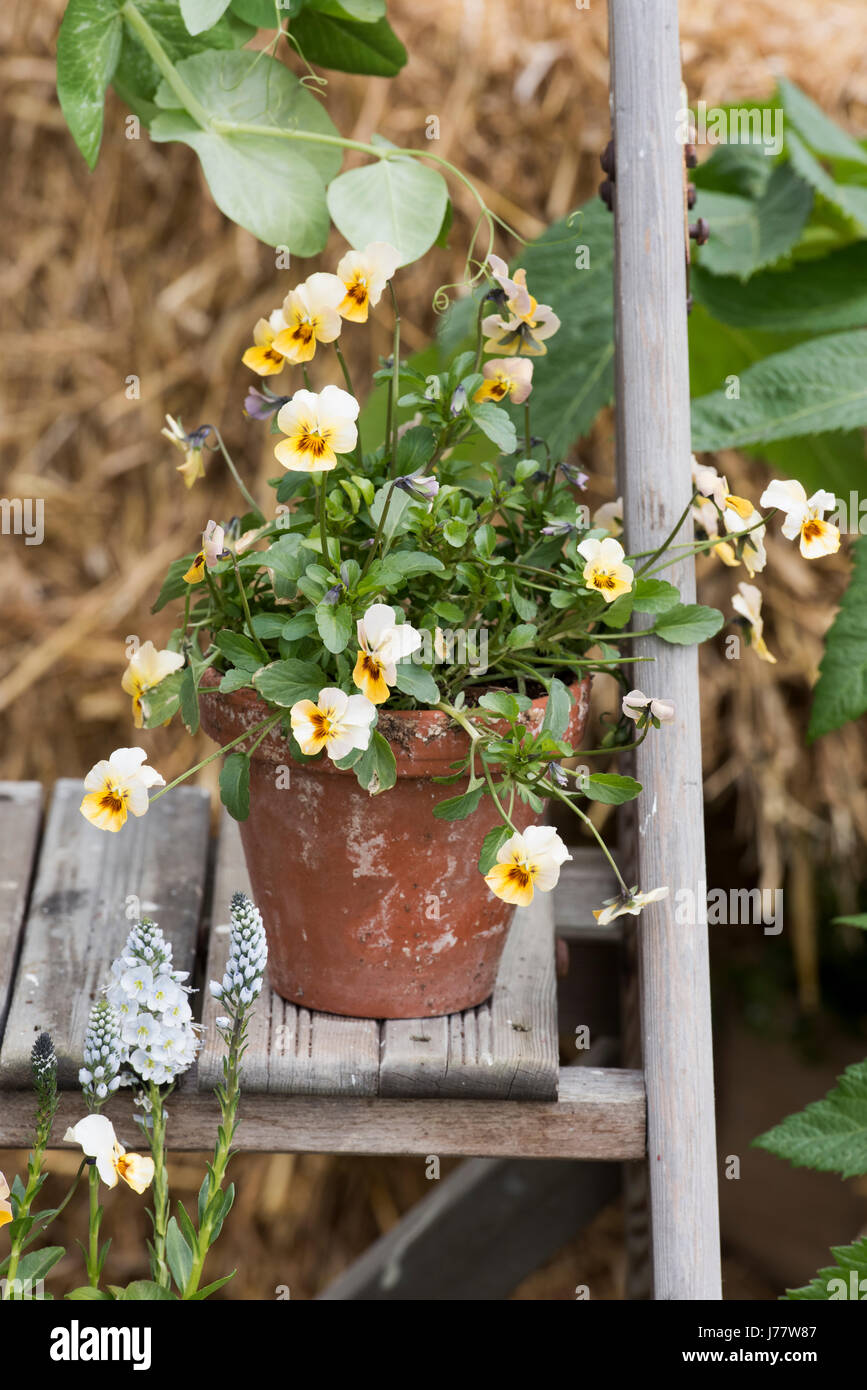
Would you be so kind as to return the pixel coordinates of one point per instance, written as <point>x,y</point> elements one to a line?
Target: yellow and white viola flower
<point>335,721</point>
<point>191,446</point>
<point>5,1204</point>
<point>95,1134</point>
<point>739,515</point>
<point>609,517</point>
<point>147,667</point>
<point>263,358</point>
<point>520,333</point>
<point>382,643</point>
<point>117,786</point>
<point>506,376</point>
<point>605,571</point>
<point>212,552</point>
<point>709,482</point>
<point>804,516</point>
<point>517,296</point>
<point>748,603</point>
<point>318,427</point>
<point>527,861</point>
<point>647,709</point>
<point>364,275</point>
<point>311,317</point>
<point>631,902</point>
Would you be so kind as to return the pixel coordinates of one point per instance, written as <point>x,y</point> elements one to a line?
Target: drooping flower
<point>609,517</point>
<point>804,516</point>
<point>248,956</point>
<point>739,515</point>
<point>523,324</point>
<point>513,292</point>
<point>261,405</point>
<point>420,485</point>
<point>147,667</point>
<point>364,275</point>
<point>116,786</point>
<point>645,709</point>
<point>574,475</point>
<point>95,1134</point>
<point>381,645</point>
<point>748,603</point>
<point>526,862</point>
<point>605,571</point>
<point>336,722</point>
<point>5,1204</point>
<point>707,481</point>
<point>263,358</point>
<point>103,1050</point>
<point>318,427</point>
<point>311,317</point>
<point>506,376</point>
<point>212,552</point>
<point>631,902</point>
<point>561,527</point>
<point>191,446</point>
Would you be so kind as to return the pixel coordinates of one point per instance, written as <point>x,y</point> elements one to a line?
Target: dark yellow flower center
<point>112,799</point>
<point>604,579</point>
<point>812,530</point>
<point>313,442</point>
<point>356,290</point>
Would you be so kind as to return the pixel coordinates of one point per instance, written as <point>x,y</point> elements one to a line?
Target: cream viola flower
<point>213,550</point>
<point>517,296</point>
<point>609,517</point>
<point>605,570</point>
<point>527,861</point>
<point>521,333</point>
<point>740,515</point>
<point>506,376</point>
<point>311,317</point>
<point>191,446</point>
<point>748,603</point>
<point>646,709</point>
<point>95,1134</point>
<point>317,429</point>
<point>5,1204</point>
<point>804,516</point>
<point>631,902</point>
<point>337,722</point>
<point>147,667</point>
<point>263,357</point>
<point>709,482</point>
<point>364,275</point>
<point>381,645</point>
<point>116,786</point>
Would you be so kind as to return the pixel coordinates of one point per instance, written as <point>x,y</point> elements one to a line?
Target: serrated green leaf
<point>239,650</point>
<point>400,201</point>
<point>845,1279</point>
<point>850,199</point>
<point>617,614</point>
<point>815,296</point>
<point>496,423</point>
<point>654,596</point>
<point>748,234</point>
<point>235,785</point>
<point>610,788</point>
<point>235,680</point>
<point>841,691</point>
<point>829,1135</point>
<point>492,843</point>
<point>818,130</point>
<point>88,48</point>
<point>455,532</point>
<point>501,703</point>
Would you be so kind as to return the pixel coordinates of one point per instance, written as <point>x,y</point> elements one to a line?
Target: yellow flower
<point>525,323</point>
<point>605,571</point>
<point>748,602</point>
<point>526,862</point>
<point>338,723</point>
<point>311,317</point>
<point>213,550</point>
<point>5,1206</point>
<point>364,275</point>
<point>95,1134</point>
<point>804,517</point>
<point>739,514</point>
<point>116,786</point>
<point>505,376</point>
<point>191,446</point>
<point>382,644</point>
<point>263,356</point>
<point>318,428</point>
<point>146,669</point>
<point>631,902</point>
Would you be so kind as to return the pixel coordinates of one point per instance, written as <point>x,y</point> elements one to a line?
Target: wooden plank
<point>86,882</point>
<point>585,884</point>
<point>504,1049</point>
<point>291,1051</point>
<point>653,451</point>
<point>20,822</point>
<point>600,1115</point>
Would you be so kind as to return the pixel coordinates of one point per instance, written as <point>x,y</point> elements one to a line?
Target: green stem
<point>391,434</point>
<point>359,453</point>
<point>670,537</point>
<point>265,724</point>
<point>160,1187</point>
<point>322,511</point>
<point>246,607</point>
<point>152,46</point>
<point>248,497</point>
<point>479,339</point>
<point>34,1168</point>
<point>95,1217</point>
<point>459,718</point>
<point>567,801</point>
<point>497,802</point>
<point>527,435</point>
<point>379,530</point>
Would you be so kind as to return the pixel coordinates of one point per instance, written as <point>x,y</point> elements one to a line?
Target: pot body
<point>372,907</point>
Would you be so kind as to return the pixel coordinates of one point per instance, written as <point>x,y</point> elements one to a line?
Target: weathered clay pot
<point>373,908</point>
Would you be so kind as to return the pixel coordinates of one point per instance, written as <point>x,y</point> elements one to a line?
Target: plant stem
<point>248,497</point>
<point>670,537</point>
<point>246,607</point>
<point>391,428</point>
<point>95,1217</point>
<point>567,801</point>
<point>379,529</point>
<point>527,435</point>
<point>497,802</point>
<point>265,724</point>
<point>157,1139</point>
<point>152,46</point>
<point>479,340</point>
<point>359,452</point>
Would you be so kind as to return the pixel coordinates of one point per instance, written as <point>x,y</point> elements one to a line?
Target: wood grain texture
<point>600,1115</point>
<point>653,448</point>
<point>76,923</point>
<point>20,821</point>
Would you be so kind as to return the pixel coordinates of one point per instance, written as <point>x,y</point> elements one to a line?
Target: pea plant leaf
<point>746,233</point>
<point>829,1135</point>
<point>846,1278</point>
<point>88,48</point>
<point>841,691</point>
<point>611,788</point>
<point>199,15</point>
<point>137,77</point>
<point>398,200</point>
<point>332,38</point>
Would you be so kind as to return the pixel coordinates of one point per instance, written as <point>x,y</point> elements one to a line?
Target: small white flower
<point>646,709</point>
<point>632,903</point>
<point>804,516</point>
<point>526,862</point>
<point>95,1134</point>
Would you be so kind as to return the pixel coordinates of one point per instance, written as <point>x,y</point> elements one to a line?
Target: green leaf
<point>174,584</point>
<point>235,785</point>
<point>287,559</point>
<point>524,606</point>
<point>688,623</point>
<point>400,201</point>
<point>334,623</point>
<point>747,234</point>
<point>88,47</point>
<point>521,636</point>
<point>239,650</point>
<point>845,1279</point>
<point>459,807</point>
<point>455,532</point>
<point>365,11</point>
<point>817,129</point>
<point>199,15</point>
<point>376,770</point>
<point>268,625</point>
<point>492,843</point>
<point>816,296</point>
<point>829,1135</point>
<point>283,683</point>
<point>493,421</point>
<point>610,788</point>
<point>189,700</point>
<point>211,1288</point>
<point>143,1291</point>
<point>817,386</point>
<point>85,1294</point>
<point>35,1265</point>
<point>858,920</point>
<point>618,613</point>
<point>235,680</point>
<point>653,596</point>
<point>161,702</point>
<point>347,45</point>
<point>841,691</point>
<point>261,13</point>
<point>501,703</point>
<point>394,517</point>
<point>136,77</point>
<point>416,681</point>
<point>178,1254</point>
<point>850,199</point>
<point>558,711</point>
<point>409,563</point>
<point>275,188</point>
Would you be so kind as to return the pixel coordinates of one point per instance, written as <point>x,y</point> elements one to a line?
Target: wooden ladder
<point>486,1084</point>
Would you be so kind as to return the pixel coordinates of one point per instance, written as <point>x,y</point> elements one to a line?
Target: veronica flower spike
<point>804,516</point>
<point>311,317</point>
<point>605,570</point>
<point>335,721</point>
<point>318,427</point>
<point>381,645</point>
<point>364,275</point>
<point>117,786</point>
<point>147,667</point>
<point>527,861</point>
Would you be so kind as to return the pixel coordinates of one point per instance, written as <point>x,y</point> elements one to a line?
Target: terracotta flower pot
<point>373,908</point>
